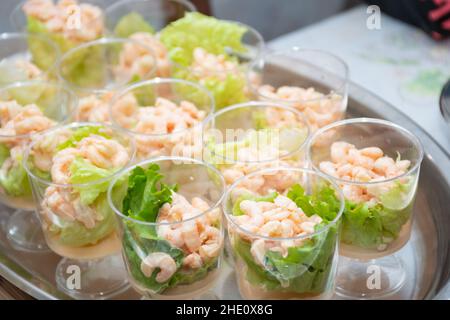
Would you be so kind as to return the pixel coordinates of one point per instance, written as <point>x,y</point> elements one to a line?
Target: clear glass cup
<point>98,69</point>
<point>67,31</point>
<point>224,74</point>
<point>312,81</point>
<point>176,255</point>
<point>158,132</point>
<point>126,17</point>
<point>285,236</point>
<point>26,57</point>
<point>27,108</point>
<point>379,185</point>
<point>71,202</point>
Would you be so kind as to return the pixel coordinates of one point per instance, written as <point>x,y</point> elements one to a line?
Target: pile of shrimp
<point>318,109</point>
<point>76,22</point>
<point>200,238</point>
<point>94,108</point>
<point>362,165</point>
<point>62,201</point>
<point>281,218</point>
<point>156,126</point>
<point>207,65</point>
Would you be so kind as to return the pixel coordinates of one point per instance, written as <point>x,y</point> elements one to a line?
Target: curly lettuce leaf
<point>83,172</point>
<point>76,234</point>
<point>146,194</point>
<point>81,133</point>
<point>196,30</point>
<point>130,24</point>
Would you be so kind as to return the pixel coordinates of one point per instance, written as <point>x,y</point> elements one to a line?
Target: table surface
<point>398,62</point>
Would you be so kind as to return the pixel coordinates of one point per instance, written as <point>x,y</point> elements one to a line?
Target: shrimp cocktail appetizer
<point>70,168</point>
<point>26,108</point>
<point>26,57</point>
<point>376,163</point>
<point>141,20</point>
<point>171,226</point>
<point>164,116</point>
<point>284,237</point>
<point>98,69</point>
<point>68,23</point>
<point>214,53</point>
<point>318,88</point>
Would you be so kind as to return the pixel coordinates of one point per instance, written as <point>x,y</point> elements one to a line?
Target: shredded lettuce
<point>81,133</point>
<point>130,24</point>
<point>196,30</point>
<point>82,172</point>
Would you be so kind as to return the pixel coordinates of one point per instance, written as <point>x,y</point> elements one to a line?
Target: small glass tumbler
<point>285,236</point>
<point>377,164</point>
<point>165,116</point>
<point>71,199</point>
<point>69,24</point>
<point>177,253</point>
<point>97,69</point>
<point>27,108</point>
<point>312,81</point>
<point>26,57</point>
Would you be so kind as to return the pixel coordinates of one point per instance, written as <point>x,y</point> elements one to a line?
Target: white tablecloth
<point>398,62</point>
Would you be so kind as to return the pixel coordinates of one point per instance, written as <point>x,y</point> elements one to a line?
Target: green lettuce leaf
<point>75,234</point>
<point>82,172</point>
<point>81,133</point>
<point>15,180</point>
<point>195,30</point>
<point>130,24</point>
<point>4,153</point>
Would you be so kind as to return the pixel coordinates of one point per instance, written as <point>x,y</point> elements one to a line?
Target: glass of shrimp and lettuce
<point>171,226</point>
<point>26,108</point>
<point>68,23</point>
<point>317,85</point>
<point>214,53</point>
<point>98,69</point>
<point>70,168</point>
<point>285,238</point>
<point>377,164</point>
<point>142,20</point>
<point>166,117</point>
<point>25,57</point>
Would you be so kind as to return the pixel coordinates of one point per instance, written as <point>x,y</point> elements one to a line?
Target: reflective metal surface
<point>427,254</point>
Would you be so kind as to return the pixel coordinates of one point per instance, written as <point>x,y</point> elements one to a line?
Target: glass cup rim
<point>374,121</point>
<point>157,81</point>
<point>277,169</point>
<point>297,49</point>
<point>260,49</point>
<point>263,104</point>
<point>187,4</point>
<point>101,42</point>
<point>25,35</point>
<point>60,123</point>
<point>72,126</point>
<point>161,159</point>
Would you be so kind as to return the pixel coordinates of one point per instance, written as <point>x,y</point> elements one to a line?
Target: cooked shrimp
<point>193,261</point>
<point>164,262</point>
<point>103,152</point>
<point>62,160</point>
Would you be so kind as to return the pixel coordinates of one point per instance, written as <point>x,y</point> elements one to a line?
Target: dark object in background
<point>432,16</point>
<point>202,6</point>
<point>444,102</point>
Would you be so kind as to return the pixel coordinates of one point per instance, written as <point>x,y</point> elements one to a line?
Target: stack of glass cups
<point>252,136</point>
<point>224,74</point>
<point>142,110</point>
<point>26,109</point>
<point>26,57</point>
<point>177,253</point>
<point>70,195</point>
<point>377,164</point>
<point>317,87</point>
<point>77,23</point>
<point>285,235</point>
<point>95,70</point>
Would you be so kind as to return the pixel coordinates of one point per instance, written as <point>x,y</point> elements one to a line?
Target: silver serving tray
<point>427,254</point>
